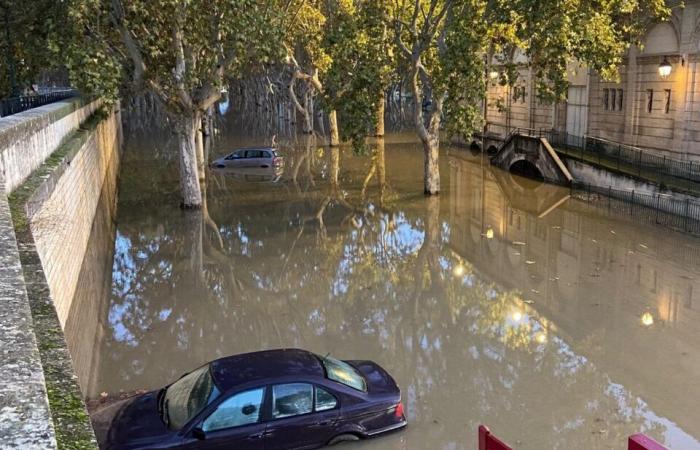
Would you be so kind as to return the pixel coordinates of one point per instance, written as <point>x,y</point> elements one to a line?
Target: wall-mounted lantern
<point>665,68</point>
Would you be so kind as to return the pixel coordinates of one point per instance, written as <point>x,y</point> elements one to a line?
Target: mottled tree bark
<point>189,172</point>
<point>333,125</point>
<point>429,135</point>
<point>379,130</point>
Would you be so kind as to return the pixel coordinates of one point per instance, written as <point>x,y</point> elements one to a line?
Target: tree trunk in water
<point>381,170</point>
<point>431,170</point>
<point>379,131</point>
<point>335,166</point>
<point>189,172</point>
<point>429,136</point>
<point>333,129</point>
<point>199,145</point>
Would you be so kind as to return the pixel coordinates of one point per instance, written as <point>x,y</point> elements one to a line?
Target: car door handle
<point>260,435</point>
<point>323,423</point>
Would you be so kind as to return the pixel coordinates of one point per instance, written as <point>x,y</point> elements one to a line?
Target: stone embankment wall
<point>61,214</point>
<point>56,159</point>
<point>28,138</point>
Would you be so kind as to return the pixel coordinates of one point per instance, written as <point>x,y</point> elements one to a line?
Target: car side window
<point>265,154</point>
<point>292,400</point>
<point>325,400</point>
<point>240,409</point>
<point>253,154</point>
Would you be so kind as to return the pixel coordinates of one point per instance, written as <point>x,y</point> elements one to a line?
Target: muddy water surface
<point>500,302</point>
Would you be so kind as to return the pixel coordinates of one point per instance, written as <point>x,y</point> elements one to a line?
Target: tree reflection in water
<point>341,256</point>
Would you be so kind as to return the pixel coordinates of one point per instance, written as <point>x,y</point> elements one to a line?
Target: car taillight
<point>398,412</point>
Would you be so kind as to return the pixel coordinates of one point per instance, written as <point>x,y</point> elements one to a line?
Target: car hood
<point>378,380</point>
<point>133,423</point>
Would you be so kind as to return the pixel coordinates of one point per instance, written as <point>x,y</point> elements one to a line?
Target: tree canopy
<point>346,52</point>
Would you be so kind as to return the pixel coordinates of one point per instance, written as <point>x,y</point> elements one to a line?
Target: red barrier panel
<point>488,442</point>
<point>641,442</point>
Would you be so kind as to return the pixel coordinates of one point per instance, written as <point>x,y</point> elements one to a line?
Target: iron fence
<point>625,158</point>
<point>14,105</point>
<point>681,214</point>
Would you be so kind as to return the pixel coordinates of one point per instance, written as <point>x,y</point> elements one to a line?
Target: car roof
<point>253,148</point>
<point>234,371</point>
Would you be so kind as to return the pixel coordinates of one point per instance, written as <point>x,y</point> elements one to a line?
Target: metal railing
<point>14,105</point>
<point>624,158</point>
<point>681,214</point>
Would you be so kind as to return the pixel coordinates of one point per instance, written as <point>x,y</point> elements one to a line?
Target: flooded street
<point>500,302</point>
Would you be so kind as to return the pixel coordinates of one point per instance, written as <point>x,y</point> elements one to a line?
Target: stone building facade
<point>643,109</point>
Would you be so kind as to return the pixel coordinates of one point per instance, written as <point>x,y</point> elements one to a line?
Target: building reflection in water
<point>498,302</point>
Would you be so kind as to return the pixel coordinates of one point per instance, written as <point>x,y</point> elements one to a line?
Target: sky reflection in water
<point>499,303</point>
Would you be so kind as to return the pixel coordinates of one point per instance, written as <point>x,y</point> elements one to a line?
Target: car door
<point>252,158</point>
<point>236,159</point>
<point>302,416</point>
<point>236,423</point>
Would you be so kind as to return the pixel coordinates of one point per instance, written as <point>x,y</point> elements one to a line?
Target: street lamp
<point>665,68</point>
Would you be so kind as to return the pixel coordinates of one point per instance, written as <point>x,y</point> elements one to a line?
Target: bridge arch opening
<point>526,169</point>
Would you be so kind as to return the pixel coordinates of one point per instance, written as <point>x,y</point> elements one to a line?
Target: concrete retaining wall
<point>28,138</point>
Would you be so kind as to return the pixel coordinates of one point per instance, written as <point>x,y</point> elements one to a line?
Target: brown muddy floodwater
<point>557,324</point>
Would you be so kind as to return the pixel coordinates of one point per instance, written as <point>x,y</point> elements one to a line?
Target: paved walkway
<point>627,168</point>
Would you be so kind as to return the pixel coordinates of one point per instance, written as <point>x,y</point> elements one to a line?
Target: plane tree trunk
<point>189,167</point>
<point>429,135</point>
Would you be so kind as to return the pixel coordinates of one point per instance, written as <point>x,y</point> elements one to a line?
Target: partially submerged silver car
<point>250,157</point>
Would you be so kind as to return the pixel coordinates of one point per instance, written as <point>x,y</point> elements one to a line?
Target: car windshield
<point>186,397</point>
<point>344,373</point>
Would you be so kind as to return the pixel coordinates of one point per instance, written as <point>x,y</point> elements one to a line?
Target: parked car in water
<point>251,174</point>
<point>277,400</point>
<point>250,157</point>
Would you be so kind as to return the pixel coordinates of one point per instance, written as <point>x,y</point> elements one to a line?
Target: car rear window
<point>343,373</point>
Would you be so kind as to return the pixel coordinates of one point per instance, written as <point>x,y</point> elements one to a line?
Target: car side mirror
<point>249,409</point>
<point>198,433</point>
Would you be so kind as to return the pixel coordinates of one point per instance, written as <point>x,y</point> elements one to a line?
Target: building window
<point>650,100</point>
<point>606,99</point>
<point>613,99</point>
<point>667,100</point>
<point>619,99</point>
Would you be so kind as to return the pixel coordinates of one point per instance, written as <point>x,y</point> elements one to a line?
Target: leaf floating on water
<point>529,261</point>
<point>556,227</point>
<point>643,246</point>
<point>518,243</point>
<point>517,253</point>
<point>528,302</point>
<point>535,291</point>
<point>104,394</point>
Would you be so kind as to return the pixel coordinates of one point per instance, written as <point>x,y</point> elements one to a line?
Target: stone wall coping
<point>25,418</point>
<point>12,127</point>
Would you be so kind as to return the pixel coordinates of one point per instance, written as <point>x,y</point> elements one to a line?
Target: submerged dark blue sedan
<point>272,400</point>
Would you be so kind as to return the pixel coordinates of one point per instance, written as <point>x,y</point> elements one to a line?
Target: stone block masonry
<point>52,211</point>
<point>25,421</point>
<point>28,138</point>
<point>61,214</point>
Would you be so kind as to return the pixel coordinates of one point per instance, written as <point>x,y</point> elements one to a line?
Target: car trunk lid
<point>378,380</point>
